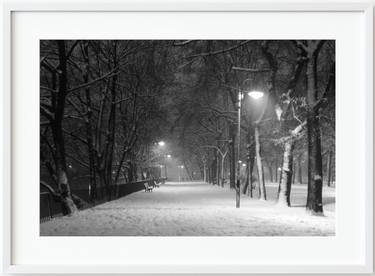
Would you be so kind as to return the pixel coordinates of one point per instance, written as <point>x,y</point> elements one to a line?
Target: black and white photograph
<point>187,138</point>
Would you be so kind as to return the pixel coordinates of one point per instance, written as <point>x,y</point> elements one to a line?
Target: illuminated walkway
<point>196,209</point>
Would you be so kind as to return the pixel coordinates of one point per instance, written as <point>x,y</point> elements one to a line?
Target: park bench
<point>148,188</point>
<point>156,184</point>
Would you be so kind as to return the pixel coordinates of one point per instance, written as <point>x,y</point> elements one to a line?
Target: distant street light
<point>161,168</point>
<point>162,144</point>
<point>168,156</point>
<point>179,172</point>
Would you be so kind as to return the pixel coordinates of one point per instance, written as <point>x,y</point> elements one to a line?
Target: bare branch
<point>219,51</point>
<point>48,89</point>
<point>46,113</point>
<point>108,75</point>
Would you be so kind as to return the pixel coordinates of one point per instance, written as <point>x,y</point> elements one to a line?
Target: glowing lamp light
<point>161,143</point>
<point>243,165</point>
<point>256,94</point>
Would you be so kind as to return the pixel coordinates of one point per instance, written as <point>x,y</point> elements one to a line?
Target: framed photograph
<point>211,137</point>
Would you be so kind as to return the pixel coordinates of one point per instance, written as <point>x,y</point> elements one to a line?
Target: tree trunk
<point>218,162</point>
<point>286,175</point>
<point>329,165</point>
<point>299,170</point>
<point>315,181</point>
<point>293,175</point>
<point>222,170</point>
<point>188,172</point>
<point>250,177</point>
<point>214,167</point>
<point>204,171</point>
<point>270,172</point>
<point>280,178</point>
<point>68,206</point>
<point>103,184</point>
<point>89,123</point>
<point>111,129</point>
<point>232,156</point>
<point>314,199</point>
<point>276,172</point>
<point>248,187</point>
<point>258,153</point>
<point>211,172</point>
<point>130,171</point>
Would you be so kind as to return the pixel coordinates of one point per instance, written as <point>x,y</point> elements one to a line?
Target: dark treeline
<point>104,104</point>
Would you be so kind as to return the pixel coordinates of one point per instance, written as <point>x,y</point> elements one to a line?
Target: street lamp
<point>179,172</point>
<point>162,144</point>
<point>168,156</point>
<point>255,95</point>
<point>238,195</point>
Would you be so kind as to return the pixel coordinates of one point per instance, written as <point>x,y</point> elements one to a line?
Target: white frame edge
<point>6,139</point>
<point>369,135</point>
<point>163,5</point>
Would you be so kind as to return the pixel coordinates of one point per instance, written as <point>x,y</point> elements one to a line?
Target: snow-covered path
<point>196,209</point>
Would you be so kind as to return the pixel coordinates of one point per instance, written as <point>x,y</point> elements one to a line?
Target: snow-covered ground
<point>198,209</point>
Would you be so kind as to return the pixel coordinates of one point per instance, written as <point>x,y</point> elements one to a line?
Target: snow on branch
<point>183,43</point>
<point>295,134</point>
<point>251,70</point>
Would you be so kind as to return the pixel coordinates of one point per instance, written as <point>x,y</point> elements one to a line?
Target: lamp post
<point>168,156</point>
<point>161,168</point>
<point>238,192</point>
<point>161,144</point>
<point>180,167</point>
<point>255,95</point>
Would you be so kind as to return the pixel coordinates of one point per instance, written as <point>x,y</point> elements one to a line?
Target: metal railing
<point>50,208</point>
